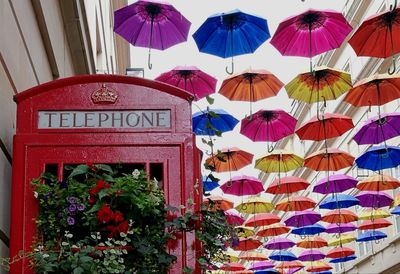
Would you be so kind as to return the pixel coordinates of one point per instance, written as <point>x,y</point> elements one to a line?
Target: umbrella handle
<point>149,60</point>
<point>230,72</point>
<point>392,68</point>
<point>270,148</point>
<point>393,7</point>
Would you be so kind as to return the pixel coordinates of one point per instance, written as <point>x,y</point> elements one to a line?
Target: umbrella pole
<point>251,98</point>
<point>150,65</point>
<point>392,70</point>
<point>232,65</point>
<point>311,67</point>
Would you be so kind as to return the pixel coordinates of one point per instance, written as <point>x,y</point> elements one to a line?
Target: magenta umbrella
<point>268,125</point>
<point>261,265</point>
<point>311,33</point>
<point>379,129</point>
<point>279,243</point>
<point>191,79</point>
<point>334,184</point>
<point>242,185</point>
<point>340,228</point>
<point>311,255</point>
<point>233,217</point>
<point>303,218</point>
<point>151,24</point>
<point>374,199</point>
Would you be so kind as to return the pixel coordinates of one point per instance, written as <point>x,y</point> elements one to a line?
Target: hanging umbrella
<point>228,256</point>
<point>151,24</point>
<point>287,185</point>
<point>303,218</point>
<point>244,231</point>
<point>297,203</point>
<point>378,129</point>
<point>233,217</point>
<point>251,86</point>
<point>311,33</point>
<point>371,235</point>
<point>318,266</point>
<point>344,259</point>
<point>335,183</point>
<point>255,205</point>
<point>373,214</point>
<point>261,265</point>
<point>322,272</point>
<point>217,202</point>
<point>340,228</point>
<point>252,256</point>
<point>191,79</point>
<point>242,185</point>
<point>262,219</point>
<point>267,271</point>
<point>308,230</point>
<point>378,182</point>
<point>279,243</point>
<point>383,27</point>
<point>379,157</point>
<point>246,244</point>
<point>312,242</point>
<point>328,159</point>
<point>273,230</point>
<point>374,224</point>
<point>213,121</point>
<point>289,265</point>
<point>322,84</point>
<point>230,159</point>
<point>328,126</point>
<point>311,255</point>
<point>231,34</point>
<point>338,201</point>
<point>340,216</point>
<point>282,256</point>
<point>341,239</point>
<point>396,200</point>
<point>209,184</point>
<point>374,199</point>
<point>268,125</point>
<point>340,252</point>
<point>396,210</point>
<point>233,267</point>
<point>279,161</point>
<point>375,90</point>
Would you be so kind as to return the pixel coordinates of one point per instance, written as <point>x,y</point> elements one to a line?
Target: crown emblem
<point>104,95</point>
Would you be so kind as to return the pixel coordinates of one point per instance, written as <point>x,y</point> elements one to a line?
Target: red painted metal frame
<point>33,148</point>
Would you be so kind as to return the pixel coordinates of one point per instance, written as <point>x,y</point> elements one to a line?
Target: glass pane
<point>156,171</point>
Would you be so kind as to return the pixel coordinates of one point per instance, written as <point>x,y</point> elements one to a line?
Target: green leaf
<point>80,169</point>
<point>78,270</point>
<point>187,270</point>
<point>95,208</point>
<point>210,100</point>
<point>103,167</point>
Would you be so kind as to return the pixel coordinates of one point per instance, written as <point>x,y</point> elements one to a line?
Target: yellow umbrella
<point>229,256</point>
<point>279,161</point>
<point>252,256</point>
<point>322,84</point>
<point>396,201</point>
<point>342,239</point>
<point>372,214</point>
<point>255,205</point>
<point>244,231</point>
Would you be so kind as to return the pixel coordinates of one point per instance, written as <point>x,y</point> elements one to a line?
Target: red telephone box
<point>103,119</point>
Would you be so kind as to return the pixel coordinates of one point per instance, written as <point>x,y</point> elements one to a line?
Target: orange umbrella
<point>318,266</point>
<point>378,183</point>
<point>287,185</point>
<point>246,244</point>
<point>312,242</point>
<point>262,219</point>
<point>374,224</point>
<point>297,203</point>
<point>253,256</point>
<point>251,86</point>
<point>340,252</point>
<point>217,202</point>
<point>232,267</point>
<point>339,216</point>
<point>288,265</point>
<point>230,159</point>
<point>273,230</point>
<point>328,159</point>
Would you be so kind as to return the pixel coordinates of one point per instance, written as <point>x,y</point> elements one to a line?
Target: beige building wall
<point>42,40</point>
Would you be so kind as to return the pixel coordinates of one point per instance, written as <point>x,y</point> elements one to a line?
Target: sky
<point>265,57</point>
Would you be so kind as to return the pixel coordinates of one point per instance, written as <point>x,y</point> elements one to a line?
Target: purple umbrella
<point>233,217</point>
<point>374,199</point>
<point>340,228</point>
<point>279,243</point>
<point>151,24</point>
<point>311,255</point>
<point>334,184</point>
<point>261,265</point>
<point>303,218</point>
<point>242,185</point>
<point>379,129</point>
<point>191,79</point>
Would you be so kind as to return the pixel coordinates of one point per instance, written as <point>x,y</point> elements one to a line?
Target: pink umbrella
<point>233,217</point>
<point>279,243</point>
<point>311,33</point>
<point>340,228</point>
<point>303,218</point>
<point>191,79</point>
<point>261,265</point>
<point>242,185</point>
<point>311,255</point>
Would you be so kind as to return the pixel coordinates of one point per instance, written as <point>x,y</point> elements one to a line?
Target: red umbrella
<point>242,185</point>
<point>374,224</point>
<point>273,230</point>
<point>297,203</point>
<point>340,252</point>
<point>246,244</point>
<point>328,159</point>
<point>232,267</point>
<point>262,219</point>
<point>339,216</point>
<point>287,185</point>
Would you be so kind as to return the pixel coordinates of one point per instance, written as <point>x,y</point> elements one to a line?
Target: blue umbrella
<point>231,34</point>
<point>396,210</point>
<point>282,256</point>
<point>335,201</point>
<point>267,271</point>
<point>209,184</point>
<point>308,230</point>
<point>212,120</point>
<point>322,272</point>
<point>343,259</point>
<point>370,236</point>
<point>379,157</point>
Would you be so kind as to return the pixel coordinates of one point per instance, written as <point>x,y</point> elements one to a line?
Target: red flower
<point>92,200</point>
<point>99,186</point>
<point>123,227</point>
<point>105,214</point>
<point>170,216</point>
<point>91,166</point>
<point>118,217</point>
<point>113,231</point>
